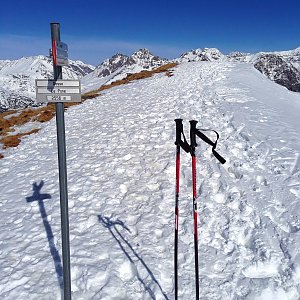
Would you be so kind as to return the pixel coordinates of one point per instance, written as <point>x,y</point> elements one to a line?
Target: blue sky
<point>95,30</point>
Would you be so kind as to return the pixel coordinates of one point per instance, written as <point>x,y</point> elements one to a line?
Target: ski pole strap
<point>204,138</point>
<point>179,132</point>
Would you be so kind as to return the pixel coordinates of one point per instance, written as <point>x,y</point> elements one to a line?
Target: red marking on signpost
<point>54,52</point>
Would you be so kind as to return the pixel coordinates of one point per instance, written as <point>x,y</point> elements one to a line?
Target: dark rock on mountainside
<point>279,70</point>
<point>143,59</point>
<point>113,64</point>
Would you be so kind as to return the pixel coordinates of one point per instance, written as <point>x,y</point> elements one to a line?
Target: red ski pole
<point>195,212</point>
<point>189,149</point>
<point>179,129</point>
<point>186,147</point>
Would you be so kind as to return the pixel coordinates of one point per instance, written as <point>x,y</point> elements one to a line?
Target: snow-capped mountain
<point>112,65</point>
<point>291,56</point>
<point>119,65</point>
<point>282,67</point>
<point>278,69</point>
<point>238,56</point>
<point>17,78</point>
<point>206,54</point>
<point>146,60</point>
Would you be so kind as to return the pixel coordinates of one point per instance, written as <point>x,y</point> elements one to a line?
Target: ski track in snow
<point>121,173</point>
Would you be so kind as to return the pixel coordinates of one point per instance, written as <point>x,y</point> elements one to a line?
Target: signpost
<point>50,90</point>
<point>62,54</point>
<point>60,91</point>
<point>59,53</point>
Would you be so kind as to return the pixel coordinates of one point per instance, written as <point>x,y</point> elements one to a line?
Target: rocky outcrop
<point>279,70</point>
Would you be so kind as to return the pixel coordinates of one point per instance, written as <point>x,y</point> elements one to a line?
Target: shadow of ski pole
<point>122,242</point>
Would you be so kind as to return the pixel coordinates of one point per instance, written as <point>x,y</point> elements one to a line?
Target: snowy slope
<point>17,78</point>
<point>121,171</point>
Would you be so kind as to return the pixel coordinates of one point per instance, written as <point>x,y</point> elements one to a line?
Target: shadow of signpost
<point>37,196</point>
<point>131,254</point>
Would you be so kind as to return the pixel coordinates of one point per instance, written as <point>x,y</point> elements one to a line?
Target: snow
<point>121,173</point>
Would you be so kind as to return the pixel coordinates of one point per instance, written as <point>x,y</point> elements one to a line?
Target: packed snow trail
<point>121,173</point>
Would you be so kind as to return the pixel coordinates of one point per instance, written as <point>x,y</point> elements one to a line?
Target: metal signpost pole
<point>61,142</point>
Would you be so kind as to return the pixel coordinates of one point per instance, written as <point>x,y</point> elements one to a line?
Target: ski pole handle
<point>179,132</point>
<point>193,130</point>
<point>179,129</point>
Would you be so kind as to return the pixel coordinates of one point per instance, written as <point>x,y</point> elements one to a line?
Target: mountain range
<point>17,77</point>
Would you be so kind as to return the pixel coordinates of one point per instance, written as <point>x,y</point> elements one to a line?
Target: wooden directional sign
<point>50,90</point>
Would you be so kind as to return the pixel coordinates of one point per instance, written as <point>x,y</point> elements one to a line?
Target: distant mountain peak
<point>143,51</point>
<point>205,54</point>
<point>119,64</point>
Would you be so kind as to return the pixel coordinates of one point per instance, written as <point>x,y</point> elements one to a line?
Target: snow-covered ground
<point>121,171</point>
